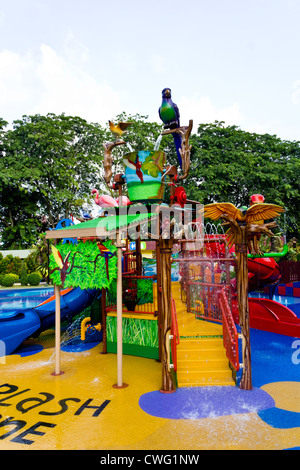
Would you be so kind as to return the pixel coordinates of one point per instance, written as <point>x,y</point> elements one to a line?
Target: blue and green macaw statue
<point>169,114</point>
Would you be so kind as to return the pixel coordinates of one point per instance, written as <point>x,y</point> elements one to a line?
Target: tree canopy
<point>49,165</point>
<point>229,164</point>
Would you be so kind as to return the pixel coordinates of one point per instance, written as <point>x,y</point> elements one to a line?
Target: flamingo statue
<point>108,201</point>
<point>125,201</point>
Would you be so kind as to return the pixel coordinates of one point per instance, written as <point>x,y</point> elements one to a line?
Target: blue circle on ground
<point>79,347</point>
<point>205,402</point>
<point>29,350</point>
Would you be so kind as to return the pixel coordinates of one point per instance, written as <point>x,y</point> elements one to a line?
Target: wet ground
<point>82,410</point>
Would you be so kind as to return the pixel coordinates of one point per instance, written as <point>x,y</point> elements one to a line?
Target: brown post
<point>138,251</point>
<point>159,301</point>
<point>103,309</point>
<point>166,246</point>
<point>185,275</point>
<point>243,231</point>
<point>241,249</point>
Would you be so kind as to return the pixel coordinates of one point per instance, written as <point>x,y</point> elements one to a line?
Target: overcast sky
<point>231,60</point>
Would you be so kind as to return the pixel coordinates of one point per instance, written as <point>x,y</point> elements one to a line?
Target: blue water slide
<point>17,325</point>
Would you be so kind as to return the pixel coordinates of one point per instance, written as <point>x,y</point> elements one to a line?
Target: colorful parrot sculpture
<point>62,264</point>
<point>169,114</point>
<point>136,166</point>
<point>106,253</point>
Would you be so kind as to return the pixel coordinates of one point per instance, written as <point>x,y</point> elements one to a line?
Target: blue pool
<point>14,299</point>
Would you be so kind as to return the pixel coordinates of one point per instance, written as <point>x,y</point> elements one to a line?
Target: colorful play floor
<point>81,410</point>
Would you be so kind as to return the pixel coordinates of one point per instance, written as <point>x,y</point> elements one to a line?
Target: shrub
<point>11,264</point>
<point>34,279</point>
<point>15,277</point>
<point>1,278</point>
<point>8,280</point>
<point>24,276</point>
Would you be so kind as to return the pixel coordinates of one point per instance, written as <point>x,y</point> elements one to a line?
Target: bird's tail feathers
<point>177,141</point>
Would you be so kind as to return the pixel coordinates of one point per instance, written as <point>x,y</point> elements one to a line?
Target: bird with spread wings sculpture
<point>245,226</point>
<point>253,219</point>
<point>119,129</point>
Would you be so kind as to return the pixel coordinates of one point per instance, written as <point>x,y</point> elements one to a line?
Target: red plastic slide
<point>267,314</point>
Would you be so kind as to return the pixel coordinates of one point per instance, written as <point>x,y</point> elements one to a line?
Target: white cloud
<point>202,110</point>
<point>50,82</point>
<point>67,87</point>
<point>296,93</point>
<point>157,62</point>
<point>15,82</point>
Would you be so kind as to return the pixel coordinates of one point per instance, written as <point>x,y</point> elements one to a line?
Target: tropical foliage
<point>229,164</point>
<point>49,165</point>
<point>87,267</point>
<point>135,331</point>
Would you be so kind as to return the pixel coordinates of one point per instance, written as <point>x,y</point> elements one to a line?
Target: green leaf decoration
<point>87,267</point>
<point>144,291</point>
<point>152,167</point>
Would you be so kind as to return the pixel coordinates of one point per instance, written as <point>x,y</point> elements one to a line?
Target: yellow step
<point>197,354</point>
<point>201,329</point>
<point>201,365</point>
<point>200,343</point>
<point>201,357</point>
<point>205,379</point>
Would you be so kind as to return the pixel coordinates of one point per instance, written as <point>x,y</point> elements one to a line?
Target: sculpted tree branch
<point>108,147</point>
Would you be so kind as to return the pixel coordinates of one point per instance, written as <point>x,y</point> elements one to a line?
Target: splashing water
<point>71,336</point>
<point>129,147</point>
<point>157,143</point>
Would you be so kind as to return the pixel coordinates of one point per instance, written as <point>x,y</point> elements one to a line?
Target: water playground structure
<point>186,305</point>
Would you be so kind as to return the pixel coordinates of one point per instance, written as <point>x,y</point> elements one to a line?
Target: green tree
<point>229,164</point>
<point>11,265</point>
<point>19,219</point>
<point>54,157</point>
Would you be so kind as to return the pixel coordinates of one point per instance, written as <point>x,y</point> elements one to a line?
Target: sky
<point>228,60</point>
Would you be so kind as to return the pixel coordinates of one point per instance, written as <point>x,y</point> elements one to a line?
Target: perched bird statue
<point>169,114</point>
<point>136,166</point>
<point>63,264</point>
<point>106,254</point>
<point>244,226</point>
<point>255,213</point>
<point>252,218</point>
<point>119,129</point>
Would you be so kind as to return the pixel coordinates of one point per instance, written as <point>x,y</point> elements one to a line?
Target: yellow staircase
<point>201,357</point>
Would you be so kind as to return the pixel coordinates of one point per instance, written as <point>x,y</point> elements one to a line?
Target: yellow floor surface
<point>81,410</point>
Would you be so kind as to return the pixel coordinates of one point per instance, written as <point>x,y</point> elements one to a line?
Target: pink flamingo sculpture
<point>108,201</point>
<point>125,201</point>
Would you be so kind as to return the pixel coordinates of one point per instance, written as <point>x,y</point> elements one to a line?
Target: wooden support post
<point>242,292</point>
<point>103,311</point>
<point>166,246</point>
<point>119,383</point>
<point>159,301</point>
<point>138,251</point>
<point>58,370</point>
